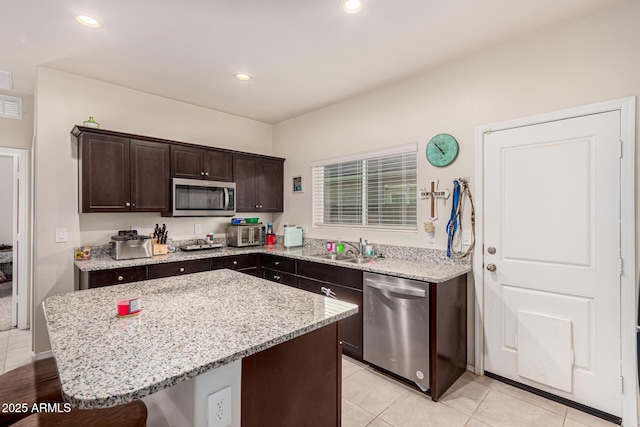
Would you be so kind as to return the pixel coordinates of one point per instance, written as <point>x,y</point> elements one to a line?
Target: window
<point>372,190</point>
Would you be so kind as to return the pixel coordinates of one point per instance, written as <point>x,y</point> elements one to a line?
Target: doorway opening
<point>14,244</point>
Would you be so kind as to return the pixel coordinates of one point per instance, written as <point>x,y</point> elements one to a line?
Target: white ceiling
<point>303,54</point>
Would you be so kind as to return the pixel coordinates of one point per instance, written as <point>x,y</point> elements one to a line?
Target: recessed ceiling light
<point>352,6</point>
<point>88,21</point>
<point>245,77</point>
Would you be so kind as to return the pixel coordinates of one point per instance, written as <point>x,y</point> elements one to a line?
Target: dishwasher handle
<point>396,289</point>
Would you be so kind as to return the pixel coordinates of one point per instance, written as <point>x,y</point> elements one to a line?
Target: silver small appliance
<point>129,245</point>
<point>240,235</point>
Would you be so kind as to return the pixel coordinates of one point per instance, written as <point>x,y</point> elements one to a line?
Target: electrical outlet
<point>431,237</point>
<point>220,408</point>
<point>136,228</point>
<point>197,228</point>
<point>466,237</point>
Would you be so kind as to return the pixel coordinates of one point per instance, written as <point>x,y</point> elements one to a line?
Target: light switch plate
<point>466,237</point>
<point>62,235</point>
<point>197,228</point>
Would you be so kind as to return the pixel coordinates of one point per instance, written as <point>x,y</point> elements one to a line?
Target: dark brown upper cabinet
<point>259,183</point>
<point>118,174</point>
<point>196,163</point>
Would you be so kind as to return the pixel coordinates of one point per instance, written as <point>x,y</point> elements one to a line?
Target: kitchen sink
<point>357,260</point>
<point>344,258</point>
<point>335,257</point>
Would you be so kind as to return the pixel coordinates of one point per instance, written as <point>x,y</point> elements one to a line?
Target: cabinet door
<point>330,273</point>
<point>269,185</point>
<point>186,162</point>
<point>351,327</point>
<point>104,176</point>
<point>244,174</point>
<point>157,271</point>
<point>280,277</point>
<point>98,279</point>
<point>235,262</point>
<point>218,165</point>
<point>278,263</point>
<point>150,176</point>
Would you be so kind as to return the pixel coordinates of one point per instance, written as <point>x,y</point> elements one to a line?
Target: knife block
<point>159,248</point>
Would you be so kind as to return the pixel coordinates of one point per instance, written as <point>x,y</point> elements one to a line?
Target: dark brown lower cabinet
<point>245,263</point>
<point>295,384</point>
<point>280,277</point>
<point>116,276</point>
<point>156,271</point>
<point>351,327</point>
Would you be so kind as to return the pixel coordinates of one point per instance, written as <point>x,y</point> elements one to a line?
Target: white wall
<point>585,61</point>
<point>6,199</point>
<point>590,60</point>
<point>18,133</point>
<point>64,100</point>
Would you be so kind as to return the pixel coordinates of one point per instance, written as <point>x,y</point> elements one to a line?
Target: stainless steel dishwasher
<point>396,326</point>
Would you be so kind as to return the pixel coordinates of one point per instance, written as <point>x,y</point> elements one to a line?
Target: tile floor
<point>373,400</point>
<point>15,349</point>
<point>370,399</point>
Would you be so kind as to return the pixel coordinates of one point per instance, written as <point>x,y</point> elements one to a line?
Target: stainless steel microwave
<point>194,197</point>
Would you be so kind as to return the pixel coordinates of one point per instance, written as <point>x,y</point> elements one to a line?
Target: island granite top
<point>433,267</point>
<point>189,325</point>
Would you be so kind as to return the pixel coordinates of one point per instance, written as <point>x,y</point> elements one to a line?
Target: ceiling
<point>303,54</point>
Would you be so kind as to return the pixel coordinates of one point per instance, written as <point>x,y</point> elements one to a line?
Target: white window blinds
<point>377,190</point>
<point>10,107</point>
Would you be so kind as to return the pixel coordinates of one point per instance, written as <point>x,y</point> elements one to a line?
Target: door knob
<point>491,250</point>
<point>181,269</point>
<point>491,267</point>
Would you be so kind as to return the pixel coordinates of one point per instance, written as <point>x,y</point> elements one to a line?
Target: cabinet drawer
<point>331,274</point>
<point>235,262</point>
<point>157,271</point>
<point>117,276</point>
<point>278,277</point>
<point>351,327</point>
<point>273,262</point>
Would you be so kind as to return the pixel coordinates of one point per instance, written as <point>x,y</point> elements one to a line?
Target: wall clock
<point>442,149</point>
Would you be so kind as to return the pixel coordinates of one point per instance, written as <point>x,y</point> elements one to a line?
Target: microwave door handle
<point>251,235</point>
<point>226,199</point>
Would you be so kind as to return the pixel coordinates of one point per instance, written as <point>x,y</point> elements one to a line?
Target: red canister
<point>270,239</point>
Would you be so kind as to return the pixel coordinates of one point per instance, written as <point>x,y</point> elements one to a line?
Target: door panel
<point>150,179</point>
<point>552,213</point>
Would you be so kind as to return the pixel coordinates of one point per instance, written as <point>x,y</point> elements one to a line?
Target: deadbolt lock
<point>491,250</point>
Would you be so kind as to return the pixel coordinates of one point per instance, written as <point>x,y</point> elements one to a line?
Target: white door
<point>552,231</point>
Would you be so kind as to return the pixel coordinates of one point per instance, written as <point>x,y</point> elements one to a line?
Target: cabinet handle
<point>181,269</point>
<point>133,204</point>
<point>127,204</point>
<point>120,278</point>
<point>206,173</point>
<point>235,262</point>
<point>257,206</point>
<point>202,173</point>
<point>277,262</point>
<point>277,277</point>
<point>260,206</point>
<point>328,292</point>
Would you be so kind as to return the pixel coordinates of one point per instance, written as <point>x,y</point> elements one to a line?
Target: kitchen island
<point>191,328</point>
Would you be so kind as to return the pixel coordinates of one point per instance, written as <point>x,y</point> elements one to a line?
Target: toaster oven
<point>240,235</point>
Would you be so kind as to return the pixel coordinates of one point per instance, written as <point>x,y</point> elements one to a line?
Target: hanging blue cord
<point>452,225</point>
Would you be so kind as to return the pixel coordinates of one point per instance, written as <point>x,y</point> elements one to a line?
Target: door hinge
<point>621,384</point>
<point>621,266</point>
<point>620,148</point>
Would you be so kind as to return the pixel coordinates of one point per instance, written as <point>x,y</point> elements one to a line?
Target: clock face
<point>442,149</point>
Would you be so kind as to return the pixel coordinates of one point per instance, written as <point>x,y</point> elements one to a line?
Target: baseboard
<point>44,355</point>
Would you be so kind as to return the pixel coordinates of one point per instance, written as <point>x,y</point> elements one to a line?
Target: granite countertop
<point>434,267</point>
<point>188,325</point>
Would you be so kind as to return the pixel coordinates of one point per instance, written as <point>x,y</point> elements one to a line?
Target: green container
<point>251,220</point>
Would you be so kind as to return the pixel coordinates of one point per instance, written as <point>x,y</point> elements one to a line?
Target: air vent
<point>10,107</point>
